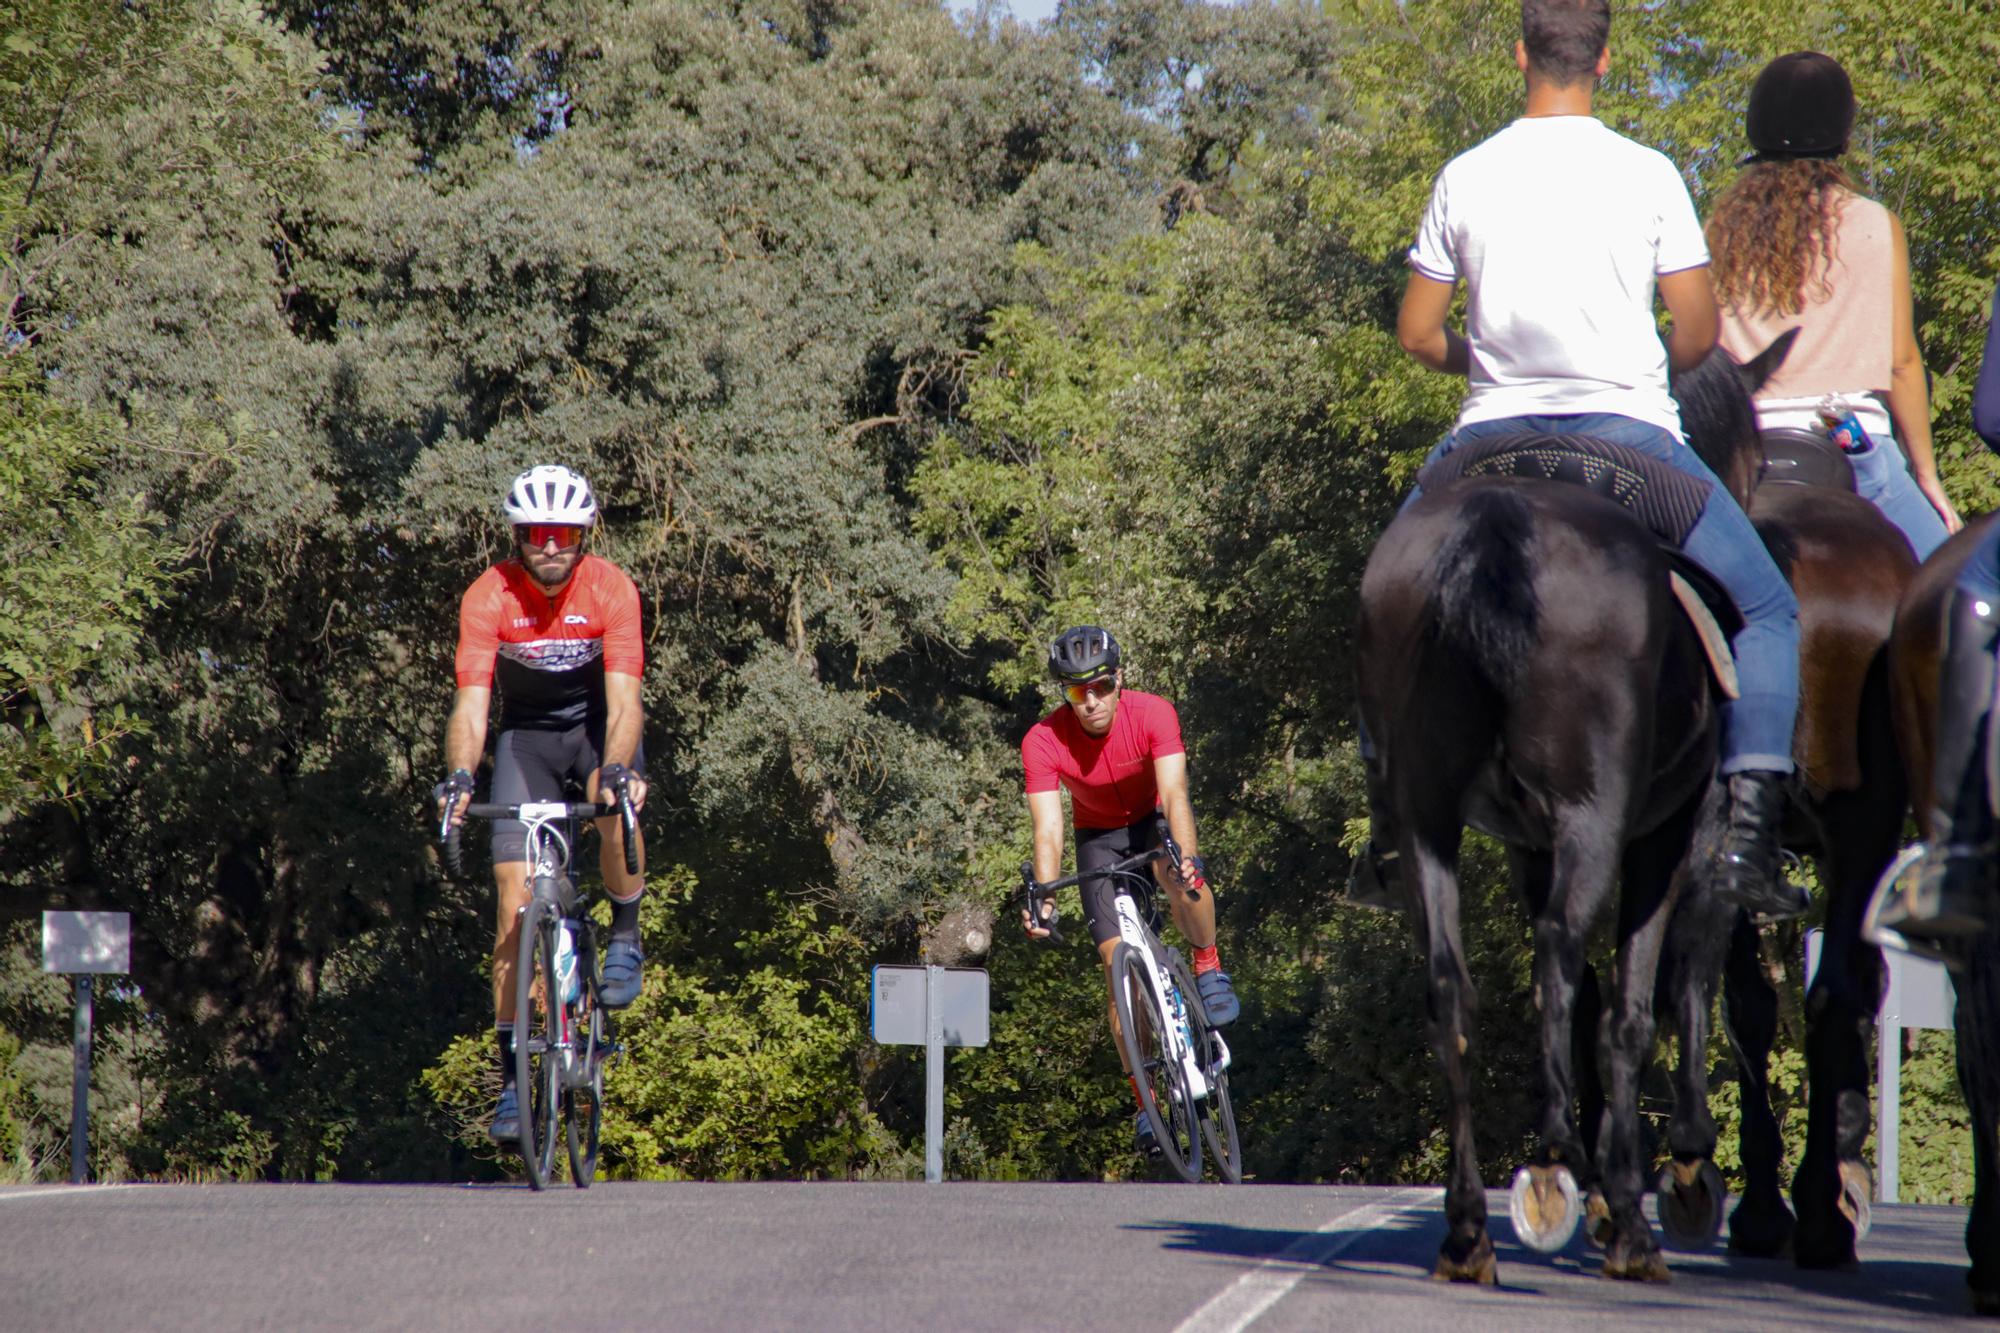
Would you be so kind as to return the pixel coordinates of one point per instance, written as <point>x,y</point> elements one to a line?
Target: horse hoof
<point>1761,1231</point>
<point>1477,1266</point>
<point>1985,1303</point>
<point>1545,1207</point>
<point>1857,1187</point>
<point>1597,1221</point>
<point>1649,1266</point>
<point>1690,1197</point>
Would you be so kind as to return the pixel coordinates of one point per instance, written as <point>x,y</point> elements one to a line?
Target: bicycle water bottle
<point>566,978</point>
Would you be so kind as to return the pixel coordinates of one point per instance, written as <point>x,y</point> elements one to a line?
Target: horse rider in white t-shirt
<point>1561,231</point>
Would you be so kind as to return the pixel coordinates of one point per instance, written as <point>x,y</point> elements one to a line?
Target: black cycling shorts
<point>535,765</point>
<point>1099,847</point>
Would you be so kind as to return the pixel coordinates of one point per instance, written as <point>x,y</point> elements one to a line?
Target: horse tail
<point>1483,581</point>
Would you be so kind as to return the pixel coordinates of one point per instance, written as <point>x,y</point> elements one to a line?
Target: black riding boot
<point>1376,880</point>
<point>1749,864</point>
<point>1953,895</point>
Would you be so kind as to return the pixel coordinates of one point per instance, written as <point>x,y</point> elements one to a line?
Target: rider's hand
<point>1193,873</point>
<point>456,789</point>
<point>1037,931</point>
<point>612,776</point>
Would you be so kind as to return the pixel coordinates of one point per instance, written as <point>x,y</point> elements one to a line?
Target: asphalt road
<point>878,1257</point>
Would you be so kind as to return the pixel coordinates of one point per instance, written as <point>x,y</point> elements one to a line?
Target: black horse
<point>1914,658</point>
<point>1524,668</point>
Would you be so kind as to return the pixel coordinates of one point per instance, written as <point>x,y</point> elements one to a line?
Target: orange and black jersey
<point>549,654</point>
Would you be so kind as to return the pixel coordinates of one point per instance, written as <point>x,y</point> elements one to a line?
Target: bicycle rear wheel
<point>537,1058</point>
<point>1218,1116</point>
<point>583,1101</point>
<point>1163,1087</point>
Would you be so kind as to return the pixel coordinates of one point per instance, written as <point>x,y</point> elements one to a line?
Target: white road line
<point>1238,1305</point>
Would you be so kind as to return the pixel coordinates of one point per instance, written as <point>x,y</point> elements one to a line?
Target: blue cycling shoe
<point>1218,997</point>
<point>506,1126</point>
<point>1142,1133</point>
<point>620,986</point>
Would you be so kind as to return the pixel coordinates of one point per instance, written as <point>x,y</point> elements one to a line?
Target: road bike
<point>563,1034</point>
<point>1177,1058</point>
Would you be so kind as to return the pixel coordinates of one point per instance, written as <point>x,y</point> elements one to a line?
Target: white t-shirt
<point>1559,225</point>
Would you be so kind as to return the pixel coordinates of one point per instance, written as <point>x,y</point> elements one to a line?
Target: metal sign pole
<point>933,1075</point>
<point>79,1088</point>
<point>1888,1108</point>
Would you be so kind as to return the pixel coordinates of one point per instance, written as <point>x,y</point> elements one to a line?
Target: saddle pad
<point>1665,499</point>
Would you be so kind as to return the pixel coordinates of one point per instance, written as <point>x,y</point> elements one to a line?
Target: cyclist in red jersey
<point>1119,754</point>
<point>559,631</point>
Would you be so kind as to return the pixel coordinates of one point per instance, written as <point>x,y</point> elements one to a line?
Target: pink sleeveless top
<point>1845,333</point>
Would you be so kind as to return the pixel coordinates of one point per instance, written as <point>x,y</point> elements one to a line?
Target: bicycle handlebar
<point>628,821</point>
<point>1035,892</point>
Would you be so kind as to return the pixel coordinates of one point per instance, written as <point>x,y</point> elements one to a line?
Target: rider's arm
<point>1690,298</point>
<point>624,723</point>
<point>1909,393</point>
<point>465,732</point>
<point>1170,776</point>
<point>1420,327</point>
<point>1045,813</point>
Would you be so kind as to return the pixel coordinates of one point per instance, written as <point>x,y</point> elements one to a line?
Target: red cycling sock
<point>1137,1096</point>
<point>1205,960</point>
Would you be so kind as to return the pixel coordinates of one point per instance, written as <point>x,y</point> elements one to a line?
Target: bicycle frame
<point>1133,930</point>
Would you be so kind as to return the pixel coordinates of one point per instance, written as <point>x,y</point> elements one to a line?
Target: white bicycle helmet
<point>547,493</point>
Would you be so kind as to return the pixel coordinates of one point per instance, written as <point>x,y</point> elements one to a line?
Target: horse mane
<point>1717,414</point>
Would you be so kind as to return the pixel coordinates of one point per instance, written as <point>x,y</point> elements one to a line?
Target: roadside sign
<point>87,942</point>
<point>896,1012</point>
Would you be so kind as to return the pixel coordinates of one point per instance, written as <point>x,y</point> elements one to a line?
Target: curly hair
<point>1772,231</point>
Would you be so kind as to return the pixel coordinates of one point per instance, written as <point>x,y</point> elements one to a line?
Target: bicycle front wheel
<point>1218,1116</point>
<point>583,1100</point>
<point>1164,1095</point>
<point>537,1041</point>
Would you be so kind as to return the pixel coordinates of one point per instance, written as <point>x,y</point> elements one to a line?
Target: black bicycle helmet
<point>1802,105</point>
<point>1083,652</point>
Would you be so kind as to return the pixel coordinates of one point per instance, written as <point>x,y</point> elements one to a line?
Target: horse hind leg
<point>1690,1190</point>
<point>1467,1252</point>
<point>1645,908</point>
<point>1761,1225</point>
<point>1979,1078</point>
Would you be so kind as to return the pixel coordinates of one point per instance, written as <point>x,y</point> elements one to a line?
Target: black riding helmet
<point>1802,105</point>
<point>1083,653</point>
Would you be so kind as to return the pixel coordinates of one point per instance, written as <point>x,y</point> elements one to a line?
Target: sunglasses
<point>1100,687</point>
<point>538,535</point>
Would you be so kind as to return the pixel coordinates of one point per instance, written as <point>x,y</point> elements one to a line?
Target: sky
<point>1027,11</point>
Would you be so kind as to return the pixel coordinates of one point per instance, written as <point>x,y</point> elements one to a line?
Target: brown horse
<point>1848,566</point>
<point>1913,661</point>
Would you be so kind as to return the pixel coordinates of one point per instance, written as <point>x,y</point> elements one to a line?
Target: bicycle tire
<point>537,1066</point>
<point>583,1104</point>
<point>1163,1087</point>
<point>1217,1113</point>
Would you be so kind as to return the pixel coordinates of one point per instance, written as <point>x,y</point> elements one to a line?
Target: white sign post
<point>84,944</point>
<point>934,1007</point>
<point>1919,996</point>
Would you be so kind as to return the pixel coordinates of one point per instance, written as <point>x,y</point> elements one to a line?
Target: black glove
<point>457,785</point>
<point>1195,873</point>
<point>613,777</point>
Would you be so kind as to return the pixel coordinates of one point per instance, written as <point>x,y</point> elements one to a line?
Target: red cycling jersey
<point>1110,777</point>
<point>550,653</point>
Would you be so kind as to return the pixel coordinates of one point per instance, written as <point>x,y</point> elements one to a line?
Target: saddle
<point>1795,457</point>
<point>1663,498</point>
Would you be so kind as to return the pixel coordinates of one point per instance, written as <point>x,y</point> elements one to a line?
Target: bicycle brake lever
<point>1034,899</point>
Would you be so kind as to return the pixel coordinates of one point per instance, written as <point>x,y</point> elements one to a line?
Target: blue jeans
<point>1981,575</point>
<point>1882,475</point>
<point>1756,728</point>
